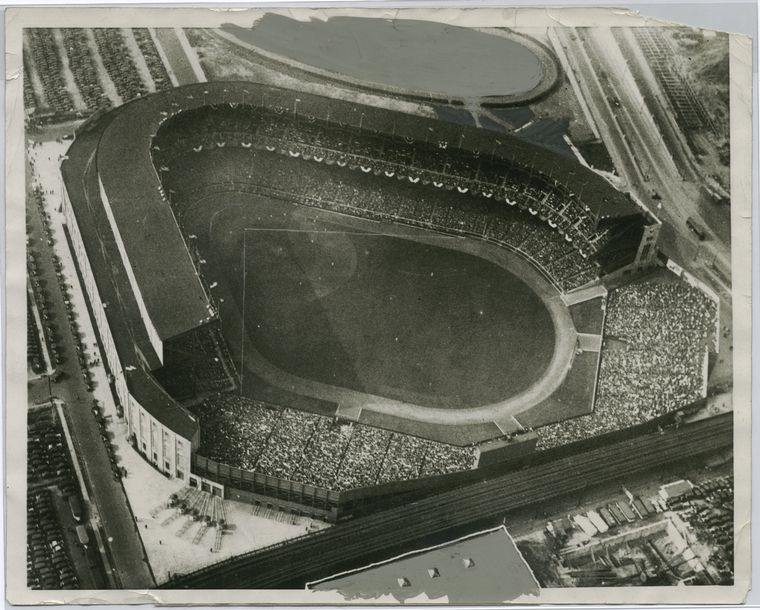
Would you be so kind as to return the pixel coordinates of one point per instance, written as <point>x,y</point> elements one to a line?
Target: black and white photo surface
<point>337,305</point>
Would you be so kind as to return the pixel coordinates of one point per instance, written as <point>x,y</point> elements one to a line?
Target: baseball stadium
<point>309,303</point>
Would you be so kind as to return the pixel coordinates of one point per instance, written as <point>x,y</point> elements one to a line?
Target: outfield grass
<point>375,313</point>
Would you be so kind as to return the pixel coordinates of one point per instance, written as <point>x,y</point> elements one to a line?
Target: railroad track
<point>383,535</point>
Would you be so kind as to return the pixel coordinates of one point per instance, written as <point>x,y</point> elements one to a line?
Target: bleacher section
<point>318,450</point>
<point>330,187</point>
<point>441,164</point>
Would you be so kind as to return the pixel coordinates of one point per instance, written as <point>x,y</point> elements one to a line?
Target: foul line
<point>337,232</point>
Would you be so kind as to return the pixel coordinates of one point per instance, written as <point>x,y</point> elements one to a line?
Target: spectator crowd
<point>197,363</point>
<point>315,449</point>
<point>447,168</point>
<point>359,194</point>
<point>653,360</point>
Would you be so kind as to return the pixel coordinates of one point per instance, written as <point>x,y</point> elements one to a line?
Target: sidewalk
<point>120,542</point>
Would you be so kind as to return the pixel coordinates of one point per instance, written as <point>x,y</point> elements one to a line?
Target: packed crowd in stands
<point>358,194</point>
<point>653,361</point>
<point>155,66</point>
<point>315,449</point>
<point>196,364</point>
<point>119,63</point>
<point>44,55</point>
<point>82,66</point>
<point>394,157</point>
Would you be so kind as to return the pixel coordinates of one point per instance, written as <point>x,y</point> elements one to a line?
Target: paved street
<point>110,504</point>
<point>639,152</point>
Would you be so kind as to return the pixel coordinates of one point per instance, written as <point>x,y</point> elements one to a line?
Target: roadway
<point>436,518</point>
<point>640,153</point>
<point>109,509</point>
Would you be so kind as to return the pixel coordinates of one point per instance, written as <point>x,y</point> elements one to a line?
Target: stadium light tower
<point>295,107</point>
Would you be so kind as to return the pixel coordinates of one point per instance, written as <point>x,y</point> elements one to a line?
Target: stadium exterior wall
<point>159,444</point>
<point>291,496</point>
<point>257,488</point>
<point>168,451</point>
<point>96,304</point>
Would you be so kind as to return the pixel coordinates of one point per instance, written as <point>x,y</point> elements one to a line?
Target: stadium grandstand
<point>129,175</point>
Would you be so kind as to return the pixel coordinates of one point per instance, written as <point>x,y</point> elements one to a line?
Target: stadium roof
<point>155,249</point>
<point>132,344</point>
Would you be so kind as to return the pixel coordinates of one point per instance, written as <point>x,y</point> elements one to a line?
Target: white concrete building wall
<point>160,445</point>
<point>96,304</point>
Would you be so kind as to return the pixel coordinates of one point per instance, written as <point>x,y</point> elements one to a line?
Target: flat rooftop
<point>482,568</point>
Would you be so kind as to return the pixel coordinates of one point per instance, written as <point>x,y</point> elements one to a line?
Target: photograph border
<point>741,100</point>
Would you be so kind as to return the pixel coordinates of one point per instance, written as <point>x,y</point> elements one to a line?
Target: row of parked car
<point>48,461</point>
<point>48,565</point>
<point>49,471</point>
